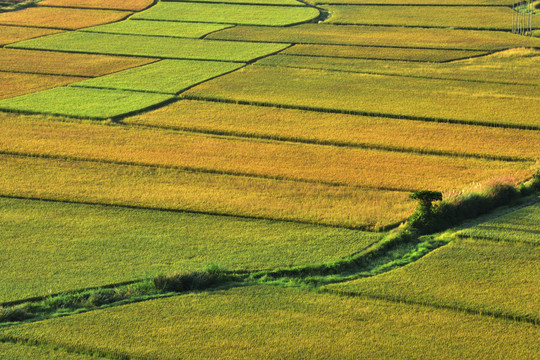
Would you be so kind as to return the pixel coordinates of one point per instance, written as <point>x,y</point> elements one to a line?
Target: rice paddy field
<point>229,180</point>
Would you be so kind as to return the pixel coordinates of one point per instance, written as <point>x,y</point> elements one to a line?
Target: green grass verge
<point>416,98</point>
<point>116,44</point>
<point>380,36</point>
<point>270,322</point>
<point>50,247</point>
<point>83,102</point>
<point>166,76</point>
<point>158,28</point>
<point>467,17</point>
<point>476,276</point>
<point>24,352</point>
<point>229,13</point>
<point>515,66</point>
<point>518,226</point>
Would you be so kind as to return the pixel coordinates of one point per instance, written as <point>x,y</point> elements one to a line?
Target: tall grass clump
<point>212,276</point>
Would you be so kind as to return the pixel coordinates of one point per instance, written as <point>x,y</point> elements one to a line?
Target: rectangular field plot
<point>343,129</point>
<point>166,76</point>
<point>383,53</point>
<point>16,84</point>
<point>24,352</point>
<point>55,247</point>
<point>158,28</point>
<point>165,188</point>
<point>229,13</point>
<point>281,323</point>
<point>514,66</point>
<point>380,95</point>
<point>82,102</point>
<point>305,162</point>
<point>161,47</point>
<point>380,36</point>
<point>466,17</point>
<point>416,2</point>
<point>11,34</point>
<point>135,5</point>
<point>57,63</point>
<point>253,2</point>
<point>518,226</point>
<point>60,18</point>
<point>480,276</point>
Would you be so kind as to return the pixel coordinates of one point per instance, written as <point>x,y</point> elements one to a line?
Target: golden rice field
<point>15,84</point>
<point>270,322</point>
<point>10,34</point>
<point>135,5</point>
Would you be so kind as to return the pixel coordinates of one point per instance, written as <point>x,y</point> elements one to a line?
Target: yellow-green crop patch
<point>380,36</point>
<point>518,226</point>
<point>158,28</point>
<point>253,2</point>
<point>514,66</point>
<point>161,47</point>
<point>342,129</point>
<point>24,352</point>
<point>11,34</point>
<point>52,247</point>
<point>382,53</point>
<point>229,13</point>
<point>166,76</point>
<point>430,99</point>
<point>83,102</point>
<point>466,17</point>
<point>16,84</point>
<point>502,279</point>
<point>417,2</point>
<point>274,323</point>
<point>208,192</point>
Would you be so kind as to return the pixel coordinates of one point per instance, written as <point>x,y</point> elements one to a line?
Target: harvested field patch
<point>466,17</point>
<point>382,53</point>
<point>480,276</point>
<point>82,102</point>
<point>24,352</point>
<point>326,164</point>
<point>342,129</point>
<point>202,192</point>
<point>57,63</point>
<point>272,322</point>
<point>518,226</point>
<point>61,18</point>
<point>163,47</point>
<point>469,102</point>
<point>11,34</point>
<point>166,76</point>
<point>16,84</point>
<point>229,13</point>
<point>158,28</point>
<point>519,68</point>
<point>380,36</point>
<point>52,247</point>
<point>134,5</point>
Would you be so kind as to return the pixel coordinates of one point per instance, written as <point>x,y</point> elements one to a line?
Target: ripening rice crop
<point>24,352</point>
<point>281,323</point>
<point>518,226</point>
<point>429,99</point>
<point>382,53</point>
<point>50,247</point>
<point>166,188</point>
<point>480,276</point>
<point>416,2</point>
<point>49,62</point>
<point>61,18</point>
<point>83,102</point>
<point>135,5</point>
<point>229,13</point>
<point>162,47</point>
<point>166,76</point>
<point>255,2</point>
<point>11,34</point>
<point>471,17</point>
<point>16,84</point>
<point>306,162</point>
<point>380,36</point>
<point>158,28</point>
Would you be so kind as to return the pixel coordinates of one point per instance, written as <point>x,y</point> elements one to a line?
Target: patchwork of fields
<point>279,140</point>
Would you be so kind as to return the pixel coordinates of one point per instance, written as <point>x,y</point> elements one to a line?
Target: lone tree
<point>423,217</point>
